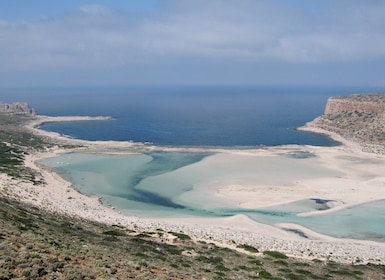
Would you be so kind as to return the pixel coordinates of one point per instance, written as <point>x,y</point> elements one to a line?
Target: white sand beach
<point>352,177</point>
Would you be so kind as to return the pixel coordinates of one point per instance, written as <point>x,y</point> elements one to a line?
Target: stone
<point>21,108</point>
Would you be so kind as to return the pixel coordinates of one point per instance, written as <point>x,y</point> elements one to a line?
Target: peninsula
<point>208,242</point>
<point>359,118</point>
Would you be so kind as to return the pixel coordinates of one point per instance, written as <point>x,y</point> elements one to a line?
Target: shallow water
<point>366,221</point>
<point>161,184</point>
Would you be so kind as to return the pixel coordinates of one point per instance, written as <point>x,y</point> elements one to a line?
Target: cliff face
<point>368,104</point>
<point>16,108</point>
<point>358,117</point>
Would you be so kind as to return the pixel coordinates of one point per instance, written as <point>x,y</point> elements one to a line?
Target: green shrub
<point>265,274</point>
<point>180,235</point>
<point>114,233</point>
<point>248,248</point>
<point>275,254</point>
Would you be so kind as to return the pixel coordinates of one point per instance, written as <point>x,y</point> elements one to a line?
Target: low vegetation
<point>248,248</point>
<point>15,143</point>
<point>38,245</point>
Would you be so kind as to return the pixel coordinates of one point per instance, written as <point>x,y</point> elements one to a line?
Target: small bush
<point>114,233</point>
<point>180,235</point>
<point>215,260</point>
<point>256,262</point>
<point>265,274</point>
<point>275,254</point>
<point>248,248</point>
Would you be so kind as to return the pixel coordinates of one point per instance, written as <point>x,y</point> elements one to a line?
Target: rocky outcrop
<point>364,103</point>
<point>20,108</point>
<point>357,117</point>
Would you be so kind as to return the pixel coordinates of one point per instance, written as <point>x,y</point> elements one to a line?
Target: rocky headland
<point>359,118</point>
<point>21,108</point>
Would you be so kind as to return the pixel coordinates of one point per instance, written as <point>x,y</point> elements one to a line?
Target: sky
<point>199,42</point>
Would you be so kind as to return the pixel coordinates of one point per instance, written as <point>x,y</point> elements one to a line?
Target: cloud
<point>90,36</point>
<point>263,31</point>
<point>205,32</point>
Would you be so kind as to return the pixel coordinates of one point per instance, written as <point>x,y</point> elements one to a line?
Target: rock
<point>358,117</point>
<point>20,108</point>
<point>360,103</point>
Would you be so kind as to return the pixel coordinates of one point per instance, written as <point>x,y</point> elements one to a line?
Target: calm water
<point>162,184</point>
<point>185,116</point>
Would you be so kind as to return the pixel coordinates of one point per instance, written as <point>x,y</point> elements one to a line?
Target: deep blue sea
<point>186,115</point>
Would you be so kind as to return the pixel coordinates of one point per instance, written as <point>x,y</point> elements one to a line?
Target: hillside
<point>40,245</point>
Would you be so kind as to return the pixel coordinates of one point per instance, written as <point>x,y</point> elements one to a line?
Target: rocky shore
<point>359,118</point>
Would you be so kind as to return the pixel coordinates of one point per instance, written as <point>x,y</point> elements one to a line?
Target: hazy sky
<point>121,42</point>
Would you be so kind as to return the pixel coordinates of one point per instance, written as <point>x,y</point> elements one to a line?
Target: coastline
<point>58,195</point>
<point>311,127</point>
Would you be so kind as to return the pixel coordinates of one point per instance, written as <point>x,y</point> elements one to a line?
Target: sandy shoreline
<point>362,170</point>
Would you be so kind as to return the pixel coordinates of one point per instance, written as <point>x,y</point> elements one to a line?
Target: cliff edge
<point>358,117</point>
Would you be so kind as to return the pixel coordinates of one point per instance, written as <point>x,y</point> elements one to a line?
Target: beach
<point>353,177</point>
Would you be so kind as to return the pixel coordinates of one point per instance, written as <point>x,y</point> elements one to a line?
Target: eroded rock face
<point>17,108</point>
<point>368,103</point>
<point>357,117</point>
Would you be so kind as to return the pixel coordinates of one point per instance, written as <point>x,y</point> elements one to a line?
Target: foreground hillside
<point>35,244</point>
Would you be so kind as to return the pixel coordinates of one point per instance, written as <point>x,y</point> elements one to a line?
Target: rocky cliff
<point>363,103</point>
<point>357,117</point>
<point>21,108</point>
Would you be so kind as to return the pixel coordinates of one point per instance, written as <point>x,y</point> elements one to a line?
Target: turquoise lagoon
<point>177,184</point>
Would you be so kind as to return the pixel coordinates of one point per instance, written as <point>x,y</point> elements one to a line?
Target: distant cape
<point>20,108</point>
<point>358,117</point>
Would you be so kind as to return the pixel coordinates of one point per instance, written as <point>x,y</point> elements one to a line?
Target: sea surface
<point>161,183</point>
<point>185,115</point>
